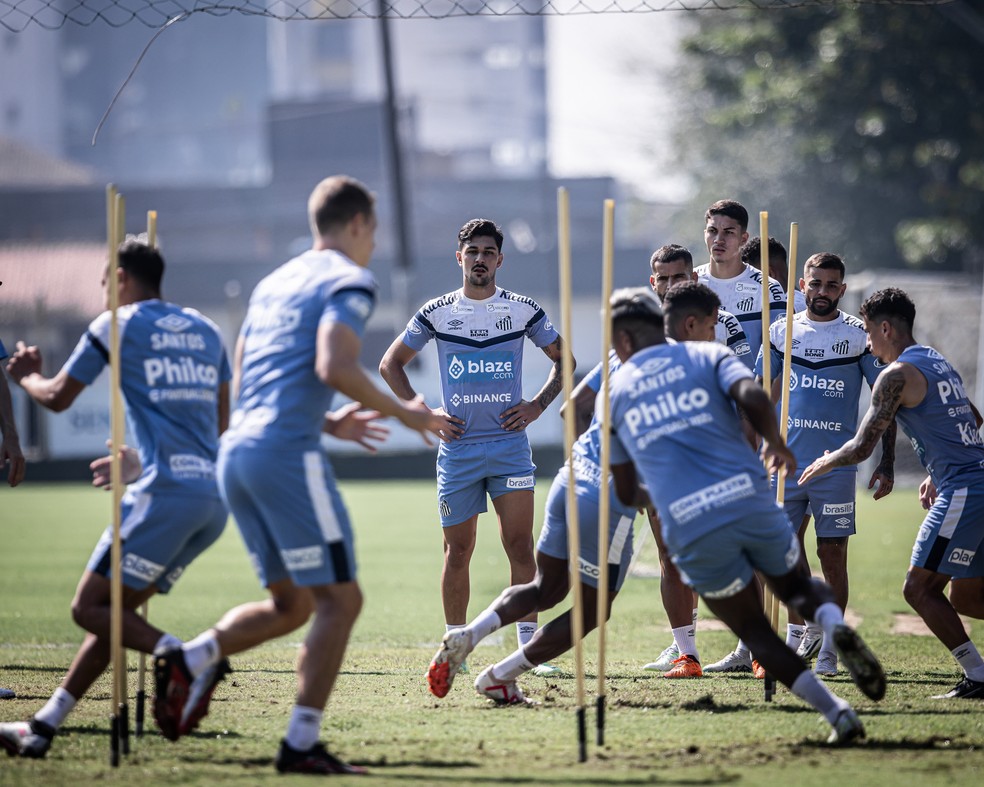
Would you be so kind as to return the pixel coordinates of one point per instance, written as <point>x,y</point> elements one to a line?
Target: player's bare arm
<point>884,475</point>
<point>54,393</point>
<point>337,365</point>
<point>627,487</point>
<point>520,416</point>
<point>392,368</point>
<point>761,414</point>
<point>886,398</point>
<point>11,455</point>
<point>584,404</point>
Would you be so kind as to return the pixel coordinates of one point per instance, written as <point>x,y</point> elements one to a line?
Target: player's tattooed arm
<point>884,475</point>
<point>886,396</point>
<point>518,417</point>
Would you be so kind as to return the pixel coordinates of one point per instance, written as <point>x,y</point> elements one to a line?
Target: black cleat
<point>865,670</point>
<point>966,689</point>
<point>315,760</point>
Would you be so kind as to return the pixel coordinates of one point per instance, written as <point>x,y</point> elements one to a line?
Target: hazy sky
<point>607,106</point>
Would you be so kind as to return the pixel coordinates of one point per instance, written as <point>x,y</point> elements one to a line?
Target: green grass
<point>709,731</point>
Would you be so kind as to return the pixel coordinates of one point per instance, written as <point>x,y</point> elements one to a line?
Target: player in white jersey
<point>739,286</point>
<point>925,394</point>
<point>676,430</point>
<point>830,361</point>
<point>174,378</point>
<point>480,331</point>
<point>299,344</point>
<point>751,255</point>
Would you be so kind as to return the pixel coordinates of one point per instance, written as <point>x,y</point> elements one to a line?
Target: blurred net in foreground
<point>16,15</point>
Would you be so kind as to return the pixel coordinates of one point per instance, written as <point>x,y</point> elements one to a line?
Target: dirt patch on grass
<point>905,623</point>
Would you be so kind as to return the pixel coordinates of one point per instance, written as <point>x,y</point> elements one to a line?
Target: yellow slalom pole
<point>145,607</point>
<point>604,507</point>
<point>573,534</point>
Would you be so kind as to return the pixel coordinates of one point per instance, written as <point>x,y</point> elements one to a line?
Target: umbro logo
<point>174,323</point>
<point>455,325</point>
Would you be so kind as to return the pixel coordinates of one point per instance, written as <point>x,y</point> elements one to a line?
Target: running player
<point>925,394</point>
<point>480,331</point>
<point>552,580</point>
<point>174,377</point>
<point>677,431</point>
<point>829,362</point>
<point>299,344</point>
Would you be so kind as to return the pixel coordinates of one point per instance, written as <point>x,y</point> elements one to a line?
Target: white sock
<point>524,632</point>
<point>809,688</point>
<point>969,660</point>
<point>57,708</point>
<point>202,652</point>
<point>826,617</point>
<point>512,666</point>
<point>485,624</point>
<point>686,641</point>
<point>304,727</point>
<point>794,635</point>
<point>693,619</point>
<point>742,649</point>
<point>167,641</point>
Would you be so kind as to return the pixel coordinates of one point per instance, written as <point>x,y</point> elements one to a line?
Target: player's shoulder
<point>446,301</point>
<point>853,323</point>
<point>515,297</point>
<point>198,317</point>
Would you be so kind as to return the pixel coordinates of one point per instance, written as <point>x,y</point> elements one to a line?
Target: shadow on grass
<point>33,668</point>
<point>933,743</point>
<point>565,778</point>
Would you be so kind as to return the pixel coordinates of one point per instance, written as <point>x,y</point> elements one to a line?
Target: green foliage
<point>714,730</point>
<point>865,124</point>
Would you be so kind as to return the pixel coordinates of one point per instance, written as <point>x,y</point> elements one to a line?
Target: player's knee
<point>294,609</point>
<point>915,590</point>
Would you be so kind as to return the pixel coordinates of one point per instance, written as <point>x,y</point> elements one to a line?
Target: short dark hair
<point>335,201</point>
<point>479,228</point>
<point>689,298</point>
<point>825,261</point>
<point>669,253</point>
<point>890,304</point>
<point>141,262</point>
<point>637,311</point>
<point>751,251</point>
<point>730,208</point>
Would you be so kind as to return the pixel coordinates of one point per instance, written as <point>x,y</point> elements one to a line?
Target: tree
<point>864,123</point>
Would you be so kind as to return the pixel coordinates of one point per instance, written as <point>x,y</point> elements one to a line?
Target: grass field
<point>715,730</point>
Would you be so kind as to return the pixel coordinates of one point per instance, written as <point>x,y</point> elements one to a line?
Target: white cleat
<point>502,692</point>
<point>448,661</point>
<point>809,646</point>
<point>665,661</point>
<point>826,665</point>
<point>546,671</point>
<point>846,728</point>
<point>734,662</point>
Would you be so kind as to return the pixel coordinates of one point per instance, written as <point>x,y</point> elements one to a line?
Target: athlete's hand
<point>12,456</point>
<point>453,428</point>
<point>817,467</point>
<point>360,426</point>
<point>884,476</point>
<point>25,360</point>
<point>518,417</point>
<point>130,468</point>
<point>418,416</point>
<point>927,493</point>
<point>776,456</point>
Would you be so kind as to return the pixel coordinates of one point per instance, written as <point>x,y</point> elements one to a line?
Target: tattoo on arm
<point>555,380</point>
<point>886,397</point>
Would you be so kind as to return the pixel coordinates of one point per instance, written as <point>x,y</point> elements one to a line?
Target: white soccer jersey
<point>480,352</point>
<point>729,332</point>
<point>742,296</point>
<point>829,361</point>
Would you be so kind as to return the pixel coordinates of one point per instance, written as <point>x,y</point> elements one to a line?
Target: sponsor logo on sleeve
<point>359,305</point>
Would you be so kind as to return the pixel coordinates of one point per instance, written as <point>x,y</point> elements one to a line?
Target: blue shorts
<point>161,535</point>
<point>830,498</point>
<point>951,539</point>
<point>722,562</point>
<point>553,536</point>
<point>290,514</point>
<point>466,472</point>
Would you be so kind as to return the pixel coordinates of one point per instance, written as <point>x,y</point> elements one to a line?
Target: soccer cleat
<point>172,683</point>
<point>503,692</point>
<point>7,694</point>
<point>546,671</point>
<point>826,665</point>
<point>665,660</point>
<point>447,661</point>
<point>315,760</point>
<point>26,738</point>
<point>758,670</point>
<point>865,670</point>
<point>846,728</point>
<point>685,667</point>
<point>966,689</point>
<point>809,646</point>
<point>200,695</point>
<point>733,662</point>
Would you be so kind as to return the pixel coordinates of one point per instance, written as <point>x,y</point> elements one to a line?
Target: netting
<point>16,15</point>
